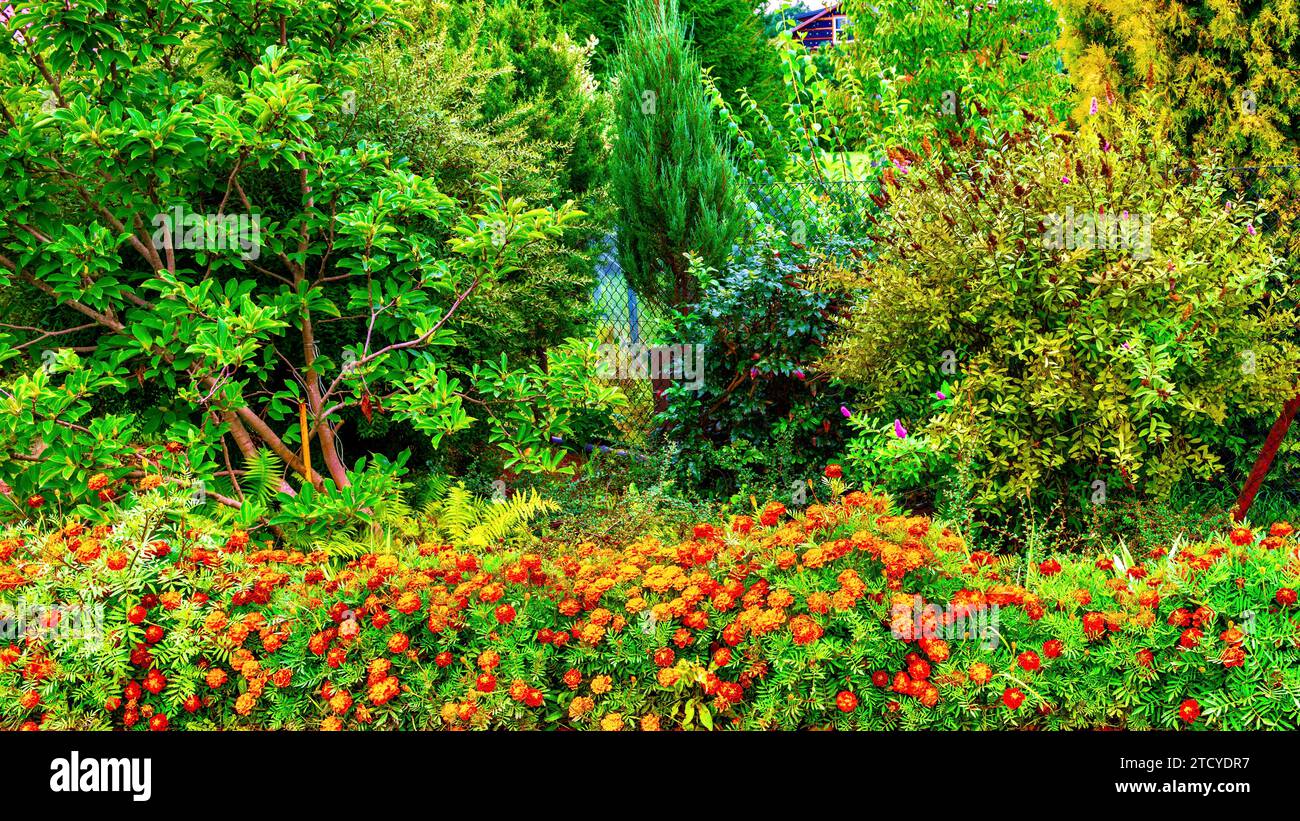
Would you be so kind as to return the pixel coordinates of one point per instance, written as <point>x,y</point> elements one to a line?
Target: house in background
<point>826,26</point>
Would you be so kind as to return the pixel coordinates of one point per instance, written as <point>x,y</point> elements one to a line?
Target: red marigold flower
<point>742,525</point>
<point>833,472</point>
<point>880,678</point>
<point>1029,661</point>
<point>154,681</point>
<point>533,698</point>
<point>1189,710</point>
<point>1050,567</point>
<point>442,659</point>
<point>1241,536</point>
<point>485,683</point>
<point>36,501</point>
<point>1233,657</point>
<point>846,701</point>
<point>505,614</point>
<point>1191,638</point>
<point>153,634</point>
<point>398,643</point>
<point>158,722</point>
<point>664,656</point>
<point>704,532</point>
<point>1281,530</point>
<point>1013,698</point>
<point>572,678</point>
<point>980,673</point>
<point>1285,597</point>
<point>192,703</point>
<point>1052,648</point>
<point>722,657</point>
<point>136,614</point>
<point>1094,624</point>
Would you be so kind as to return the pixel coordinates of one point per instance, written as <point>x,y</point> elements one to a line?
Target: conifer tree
<point>670,177</point>
<point>1228,73</point>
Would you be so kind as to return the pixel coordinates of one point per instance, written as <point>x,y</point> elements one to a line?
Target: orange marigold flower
<point>805,630</point>
<point>245,703</point>
<point>601,685</point>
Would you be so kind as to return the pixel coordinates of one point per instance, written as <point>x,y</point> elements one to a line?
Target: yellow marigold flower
<point>601,685</point>
<point>635,605</point>
<point>650,723</point>
<point>668,676</point>
<point>612,723</point>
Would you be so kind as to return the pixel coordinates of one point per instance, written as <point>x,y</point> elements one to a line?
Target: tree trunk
<point>1265,459</point>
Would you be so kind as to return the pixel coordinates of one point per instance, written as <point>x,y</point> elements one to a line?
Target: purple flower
<point>557,440</point>
<point>753,373</point>
<point>940,395</point>
<point>1124,345</point>
<point>798,374</point>
<point>1065,180</point>
<point>1092,109</point>
<point>845,411</point>
<point>899,430</point>
<point>1250,228</point>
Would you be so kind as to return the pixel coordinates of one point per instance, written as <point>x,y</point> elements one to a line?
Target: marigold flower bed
<point>847,615</point>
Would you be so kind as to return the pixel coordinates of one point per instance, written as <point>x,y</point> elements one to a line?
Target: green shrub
<point>762,416</point>
<point>1113,359</point>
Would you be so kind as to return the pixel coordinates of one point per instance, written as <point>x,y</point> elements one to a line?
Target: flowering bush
<point>851,615</point>
<point>762,329</point>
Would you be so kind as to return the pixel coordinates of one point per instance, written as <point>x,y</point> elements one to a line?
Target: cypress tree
<point>670,177</point>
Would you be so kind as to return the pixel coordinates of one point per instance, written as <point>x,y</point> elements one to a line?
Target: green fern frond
<point>262,474</point>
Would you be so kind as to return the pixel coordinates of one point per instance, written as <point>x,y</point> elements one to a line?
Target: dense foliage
<point>1064,312</point>
<point>1227,74</point>
<point>243,272</point>
<point>764,418</point>
<point>934,64</point>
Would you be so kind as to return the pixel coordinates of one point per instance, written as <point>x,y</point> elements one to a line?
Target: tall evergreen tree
<point>671,180</point>
<point>729,36</point>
